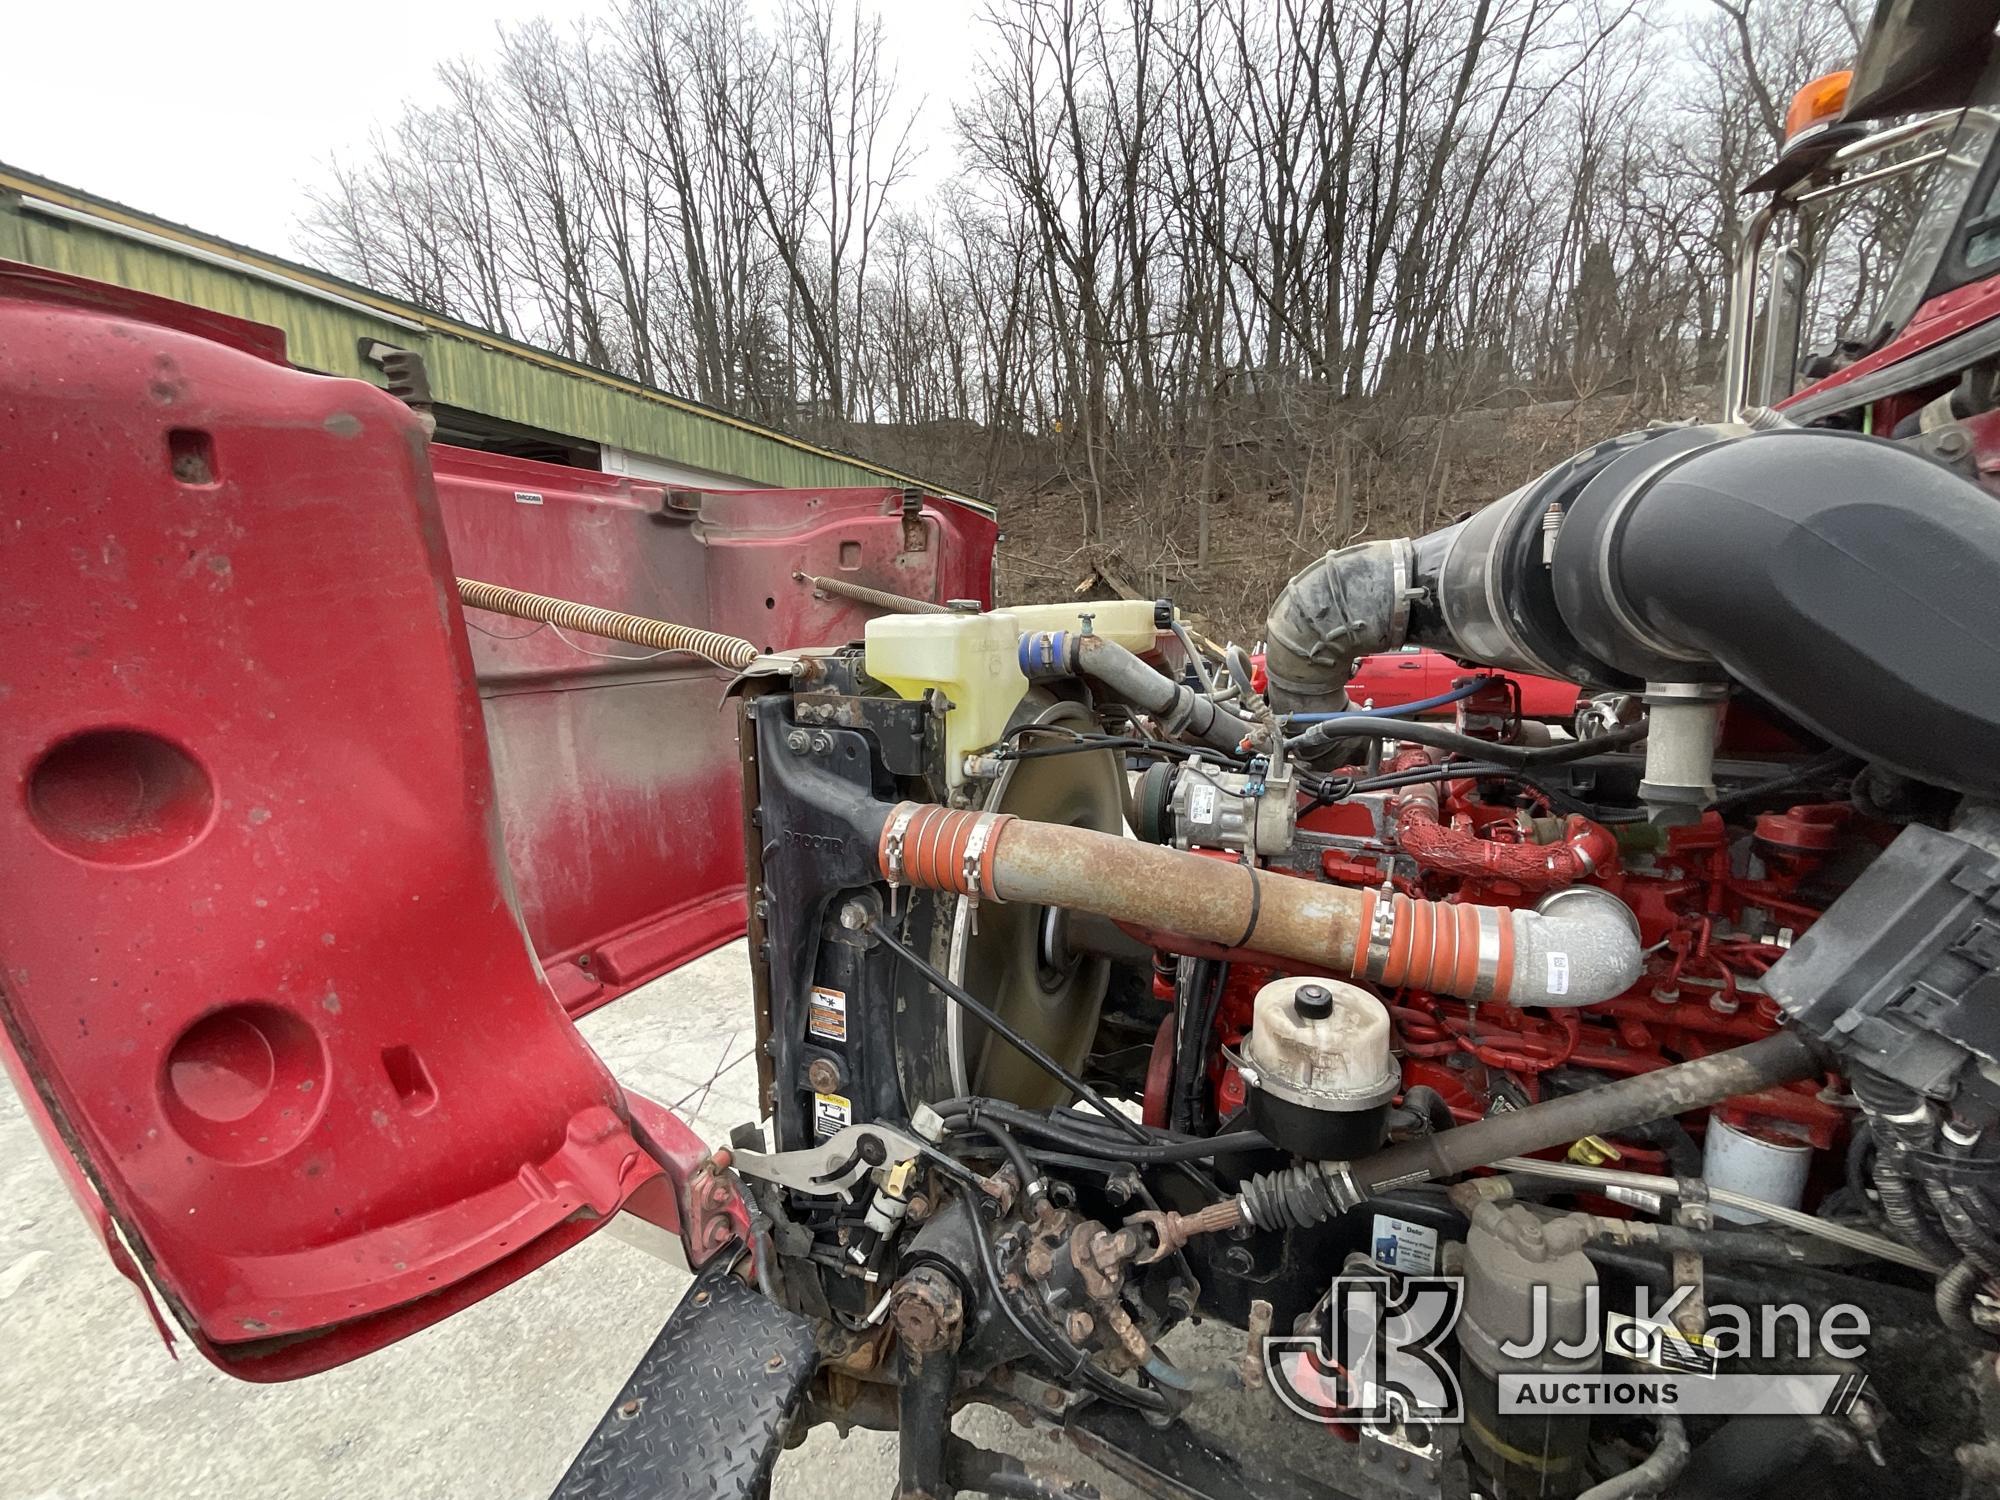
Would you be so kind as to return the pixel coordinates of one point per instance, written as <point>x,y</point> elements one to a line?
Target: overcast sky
<point>218,113</point>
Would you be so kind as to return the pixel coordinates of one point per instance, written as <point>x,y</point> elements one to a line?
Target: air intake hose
<point>1844,579</point>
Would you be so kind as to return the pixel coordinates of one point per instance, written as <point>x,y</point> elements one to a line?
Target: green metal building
<point>489,392</point>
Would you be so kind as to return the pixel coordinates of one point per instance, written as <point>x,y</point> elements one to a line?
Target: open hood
<point>281,844</point>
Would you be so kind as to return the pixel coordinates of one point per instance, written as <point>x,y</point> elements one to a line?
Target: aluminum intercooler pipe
<point>1579,947</point>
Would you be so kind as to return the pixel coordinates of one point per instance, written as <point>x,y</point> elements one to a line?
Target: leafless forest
<point>1211,284</point>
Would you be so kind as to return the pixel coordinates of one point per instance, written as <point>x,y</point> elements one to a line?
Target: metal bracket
<point>833,1166</point>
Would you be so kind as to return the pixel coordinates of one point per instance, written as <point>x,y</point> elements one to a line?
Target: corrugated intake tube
<point>1579,948</point>
<point>723,650</point>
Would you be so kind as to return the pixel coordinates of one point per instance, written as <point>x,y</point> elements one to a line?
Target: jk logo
<point>1376,1356</point>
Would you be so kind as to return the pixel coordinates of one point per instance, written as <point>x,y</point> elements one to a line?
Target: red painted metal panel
<point>1937,320</point>
<point>258,951</point>
<point>617,768</point>
<point>1388,678</point>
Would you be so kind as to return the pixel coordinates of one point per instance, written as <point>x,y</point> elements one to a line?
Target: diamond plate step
<point>706,1411</point>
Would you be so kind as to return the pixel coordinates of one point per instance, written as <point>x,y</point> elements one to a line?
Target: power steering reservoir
<point>1318,1068</point>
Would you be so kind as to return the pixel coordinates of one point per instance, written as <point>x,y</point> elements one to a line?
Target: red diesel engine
<point>1715,902</point>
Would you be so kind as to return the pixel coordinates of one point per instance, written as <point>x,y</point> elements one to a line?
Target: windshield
<point>1942,191</point>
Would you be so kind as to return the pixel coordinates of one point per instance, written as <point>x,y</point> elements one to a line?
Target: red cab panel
<point>261,967</point>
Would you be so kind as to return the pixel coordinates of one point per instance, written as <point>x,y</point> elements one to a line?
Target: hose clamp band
<point>976,844</point>
<point>1402,571</point>
<point>1381,930</point>
<point>892,842</point>
<point>1339,1176</point>
<point>1487,980</point>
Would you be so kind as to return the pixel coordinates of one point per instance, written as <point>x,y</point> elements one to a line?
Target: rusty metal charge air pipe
<point>1580,947</point>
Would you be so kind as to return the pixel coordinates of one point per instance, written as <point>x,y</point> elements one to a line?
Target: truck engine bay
<point>1528,1109</point>
<point>1698,980</point>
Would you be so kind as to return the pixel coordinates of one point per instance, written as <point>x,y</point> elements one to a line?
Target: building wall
<point>325,321</point>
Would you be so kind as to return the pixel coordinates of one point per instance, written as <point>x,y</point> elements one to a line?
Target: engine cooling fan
<point>1018,958</point>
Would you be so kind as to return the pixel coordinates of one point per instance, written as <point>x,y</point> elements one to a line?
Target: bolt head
<point>797,741</point>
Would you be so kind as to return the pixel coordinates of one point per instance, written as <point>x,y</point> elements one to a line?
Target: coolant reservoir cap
<point>1321,1043</point>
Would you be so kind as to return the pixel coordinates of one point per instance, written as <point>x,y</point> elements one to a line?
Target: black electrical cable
<point>1164,749</point>
<point>1033,1188</point>
<point>1560,799</point>
<point>1418,731</point>
<point>982,1114</point>
<point>1078,742</point>
<point>1199,1001</point>
<point>1470,771</point>
<point>1819,765</point>
<point>1860,1164</point>
<point>1013,1038</point>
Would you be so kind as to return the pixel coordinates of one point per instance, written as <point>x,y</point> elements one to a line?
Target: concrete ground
<point>492,1402</point>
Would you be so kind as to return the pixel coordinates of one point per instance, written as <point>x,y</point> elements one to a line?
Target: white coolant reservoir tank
<point>1758,1165</point>
<point>972,658</point>
<point>1126,622</point>
<point>1318,1067</point>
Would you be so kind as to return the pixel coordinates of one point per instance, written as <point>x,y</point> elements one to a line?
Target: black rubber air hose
<point>1438,737</point>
